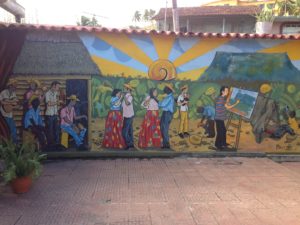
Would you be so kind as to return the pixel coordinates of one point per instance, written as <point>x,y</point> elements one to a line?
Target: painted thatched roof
<point>54,53</point>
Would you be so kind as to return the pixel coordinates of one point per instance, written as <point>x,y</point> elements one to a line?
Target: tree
<point>86,21</point>
<point>137,16</point>
<point>151,13</point>
<point>146,15</point>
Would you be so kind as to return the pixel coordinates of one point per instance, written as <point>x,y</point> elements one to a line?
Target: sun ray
<point>126,45</point>
<point>109,68</point>
<point>202,47</point>
<point>163,44</point>
<point>292,48</point>
<point>191,74</point>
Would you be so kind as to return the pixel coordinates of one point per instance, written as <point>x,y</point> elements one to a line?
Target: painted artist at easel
<point>221,107</point>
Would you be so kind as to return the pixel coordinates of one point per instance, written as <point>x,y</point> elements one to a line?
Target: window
<point>291,28</point>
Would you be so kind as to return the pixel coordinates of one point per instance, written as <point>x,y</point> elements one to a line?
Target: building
<point>11,11</point>
<point>217,19</point>
<point>239,2</point>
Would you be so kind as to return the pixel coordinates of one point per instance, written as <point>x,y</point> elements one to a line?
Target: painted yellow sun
<point>162,69</point>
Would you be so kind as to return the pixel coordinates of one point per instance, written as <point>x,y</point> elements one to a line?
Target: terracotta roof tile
<point>209,10</point>
<point>34,27</point>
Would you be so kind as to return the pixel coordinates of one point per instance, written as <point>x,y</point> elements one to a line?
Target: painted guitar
<point>9,105</point>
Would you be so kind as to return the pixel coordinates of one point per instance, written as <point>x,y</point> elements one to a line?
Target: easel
<point>237,126</point>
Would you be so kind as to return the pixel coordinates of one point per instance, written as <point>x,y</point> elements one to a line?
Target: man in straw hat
<point>183,101</point>
<point>68,117</point>
<point>167,106</point>
<point>9,100</point>
<point>128,114</point>
<point>32,90</point>
<point>33,121</point>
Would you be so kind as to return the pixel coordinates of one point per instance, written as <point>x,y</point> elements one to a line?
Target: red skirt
<point>150,134</point>
<point>113,130</point>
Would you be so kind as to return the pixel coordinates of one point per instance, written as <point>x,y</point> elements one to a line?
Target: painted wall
<point>269,67</point>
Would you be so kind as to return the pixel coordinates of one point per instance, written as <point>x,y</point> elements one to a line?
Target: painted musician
<point>9,101</point>
<point>52,108</point>
<point>33,121</point>
<point>34,89</point>
<point>67,124</point>
<point>182,102</point>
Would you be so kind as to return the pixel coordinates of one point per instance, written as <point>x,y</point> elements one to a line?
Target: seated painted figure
<point>33,121</point>
<point>68,117</point>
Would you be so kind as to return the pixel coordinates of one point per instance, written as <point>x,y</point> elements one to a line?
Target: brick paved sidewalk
<point>183,191</point>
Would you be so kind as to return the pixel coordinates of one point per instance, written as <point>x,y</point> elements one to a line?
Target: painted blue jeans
<point>78,138</point>
<point>127,131</point>
<point>165,122</point>
<point>12,128</point>
<point>52,129</point>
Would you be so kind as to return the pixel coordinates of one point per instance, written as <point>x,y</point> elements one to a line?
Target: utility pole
<point>165,22</point>
<point>175,16</point>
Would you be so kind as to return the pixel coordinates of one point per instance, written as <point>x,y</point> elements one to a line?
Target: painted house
<point>93,63</point>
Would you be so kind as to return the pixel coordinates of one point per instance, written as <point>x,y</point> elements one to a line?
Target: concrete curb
<point>150,154</point>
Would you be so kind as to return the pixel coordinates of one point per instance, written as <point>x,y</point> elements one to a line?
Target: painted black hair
<point>151,94</point>
<point>167,90</point>
<point>55,83</point>
<point>115,92</point>
<point>223,89</point>
<point>292,114</point>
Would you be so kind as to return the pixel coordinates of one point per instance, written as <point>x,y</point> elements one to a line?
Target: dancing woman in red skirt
<point>150,135</point>
<point>113,126</point>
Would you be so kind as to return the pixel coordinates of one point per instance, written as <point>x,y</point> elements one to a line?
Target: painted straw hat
<point>73,98</point>
<point>12,81</point>
<point>34,81</point>
<point>184,87</point>
<point>170,86</point>
<point>128,86</point>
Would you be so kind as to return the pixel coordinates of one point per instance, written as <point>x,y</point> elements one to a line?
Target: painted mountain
<point>252,67</point>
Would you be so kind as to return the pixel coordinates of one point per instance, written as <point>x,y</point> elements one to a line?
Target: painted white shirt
<point>51,97</point>
<point>185,107</point>
<point>128,111</point>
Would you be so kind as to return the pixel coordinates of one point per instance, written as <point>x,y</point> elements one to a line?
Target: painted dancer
<point>221,107</point>
<point>167,106</point>
<point>113,125</point>
<point>128,114</point>
<point>150,134</point>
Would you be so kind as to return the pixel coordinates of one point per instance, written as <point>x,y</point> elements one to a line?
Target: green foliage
<point>20,160</point>
<point>265,15</point>
<point>86,21</point>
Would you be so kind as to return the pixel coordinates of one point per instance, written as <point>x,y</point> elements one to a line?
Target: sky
<point>111,13</point>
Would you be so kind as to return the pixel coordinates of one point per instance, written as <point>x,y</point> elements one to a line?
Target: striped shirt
<point>220,108</point>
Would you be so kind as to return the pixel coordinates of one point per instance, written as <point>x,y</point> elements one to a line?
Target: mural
<point>196,69</point>
<point>160,92</point>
